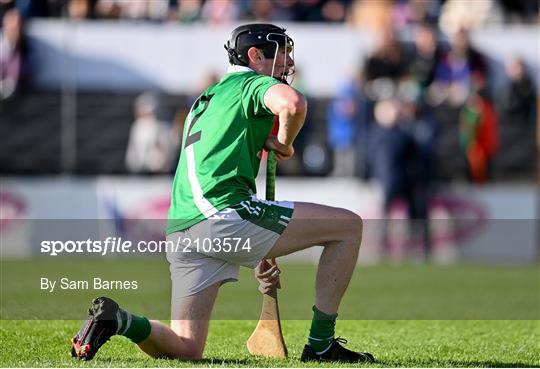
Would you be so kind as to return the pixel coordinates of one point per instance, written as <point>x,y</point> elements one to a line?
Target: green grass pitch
<point>409,324</point>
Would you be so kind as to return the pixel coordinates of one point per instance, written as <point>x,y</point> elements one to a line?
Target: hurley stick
<point>267,338</point>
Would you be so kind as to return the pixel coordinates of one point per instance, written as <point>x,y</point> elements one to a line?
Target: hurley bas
<point>96,284</point>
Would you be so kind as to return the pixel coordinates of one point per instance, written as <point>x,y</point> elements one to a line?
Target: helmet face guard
<point>288,44</point>
<point>267,38</point>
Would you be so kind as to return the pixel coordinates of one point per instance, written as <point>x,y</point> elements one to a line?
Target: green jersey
<point>224,134</point>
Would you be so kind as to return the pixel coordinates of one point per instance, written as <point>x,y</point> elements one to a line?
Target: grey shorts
<point>213,250</point>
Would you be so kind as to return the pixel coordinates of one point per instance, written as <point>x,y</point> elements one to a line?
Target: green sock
<point>136,328</point>
<point>321,333</point>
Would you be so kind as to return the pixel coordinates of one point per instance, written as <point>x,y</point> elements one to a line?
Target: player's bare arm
<point>291,108</point>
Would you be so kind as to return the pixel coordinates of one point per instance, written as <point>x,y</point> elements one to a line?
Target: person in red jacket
<point>478,135</point>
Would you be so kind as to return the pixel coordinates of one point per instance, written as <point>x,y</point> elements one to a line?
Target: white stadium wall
<point>176,58</point>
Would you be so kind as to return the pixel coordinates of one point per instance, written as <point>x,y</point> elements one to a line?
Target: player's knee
<point>355,229</point>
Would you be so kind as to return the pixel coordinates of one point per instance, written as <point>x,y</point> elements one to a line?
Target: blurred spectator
<point>310,10</point>
<point>517,110</point>
<point>108,9</point>
<point>217,12</point>
<point>388,59</point>
<point>15,70</point>
<point>517,101</point>
<point>149,148</point>
<point>155,10</point>
<point>334,11</point>
<point>400,153</point>
<point>461,49</point>
<point>188,11</point>
<point>81,9</point>
<point>318,10</point>
<point>260,11</point>
<point>478,136</point>
<point>458,14</point>
<point>283,10</point>
<point>427,55</point>
<point>411,12</point>
<point>381,72</point>
<point>375,15</point>
<point>307,11</point>
<point>343,120</point>
<point>461,69</point>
